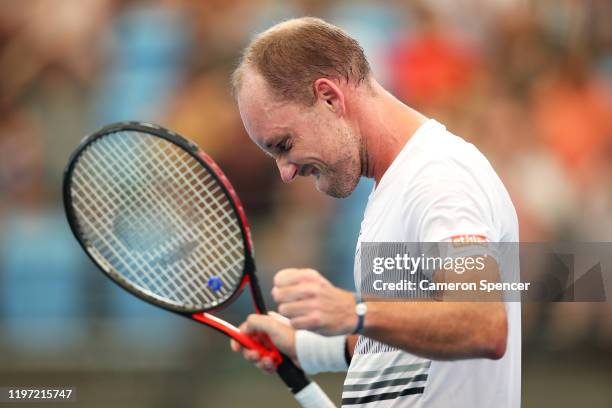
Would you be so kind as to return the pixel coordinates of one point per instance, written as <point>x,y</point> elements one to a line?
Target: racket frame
<point>293,376</point>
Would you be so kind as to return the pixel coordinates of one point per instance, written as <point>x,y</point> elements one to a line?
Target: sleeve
<point>454,215</point>
<point>450,205</point>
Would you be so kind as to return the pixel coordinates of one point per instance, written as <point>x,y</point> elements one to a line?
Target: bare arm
<point>445,330</point>
<point>464,324</point>
<point>440,330</point>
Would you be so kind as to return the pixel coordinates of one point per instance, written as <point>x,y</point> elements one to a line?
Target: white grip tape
<point>312,396</point>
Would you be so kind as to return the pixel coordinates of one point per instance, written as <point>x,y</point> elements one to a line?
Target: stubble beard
<point>343,176</point>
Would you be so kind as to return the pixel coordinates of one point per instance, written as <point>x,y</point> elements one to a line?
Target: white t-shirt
<point>438,187</point>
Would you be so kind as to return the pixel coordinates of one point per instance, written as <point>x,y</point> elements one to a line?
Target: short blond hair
<point>293,54</point>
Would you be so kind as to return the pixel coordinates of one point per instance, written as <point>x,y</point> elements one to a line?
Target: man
<point>307,97</point>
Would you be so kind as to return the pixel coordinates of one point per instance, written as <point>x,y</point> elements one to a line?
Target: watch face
<point>361,309</point>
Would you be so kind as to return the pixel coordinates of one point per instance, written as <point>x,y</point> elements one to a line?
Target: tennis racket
<point>159,217</point>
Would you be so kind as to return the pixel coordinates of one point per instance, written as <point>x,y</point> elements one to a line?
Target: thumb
<point>280,318</point>
<point>279,332</point>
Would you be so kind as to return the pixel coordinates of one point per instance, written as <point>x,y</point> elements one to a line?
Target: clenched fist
<point>306,300</point>
<point>311,302</point>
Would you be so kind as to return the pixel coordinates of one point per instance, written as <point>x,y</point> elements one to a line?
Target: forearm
<point>440,330</point>
<point>447,330</point>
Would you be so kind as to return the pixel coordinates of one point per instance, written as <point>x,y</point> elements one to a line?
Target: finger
<point>294,292</point>
<point>251,355</point>
<point>264,369</point>
<point>257,323</point>
<point>266,364</point>
<point>235,346</point>
<point>295,309</point>
<point>292,276</point>
<point>280,318</point>
<point>233,343</point>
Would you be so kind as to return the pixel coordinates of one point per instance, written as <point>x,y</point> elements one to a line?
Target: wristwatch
<point>360,309</point>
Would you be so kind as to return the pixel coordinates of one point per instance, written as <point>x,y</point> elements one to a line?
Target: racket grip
<point>292,375</point>
<point>307,393</point>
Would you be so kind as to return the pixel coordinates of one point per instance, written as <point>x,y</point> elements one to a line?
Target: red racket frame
<point>293,376</point>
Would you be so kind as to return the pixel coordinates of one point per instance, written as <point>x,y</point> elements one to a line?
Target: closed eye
<point>283,146</point>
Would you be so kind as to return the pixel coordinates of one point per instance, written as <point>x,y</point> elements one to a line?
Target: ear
<point>329,93</point>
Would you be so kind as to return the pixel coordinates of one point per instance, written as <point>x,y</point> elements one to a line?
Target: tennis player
<point>308,99</point>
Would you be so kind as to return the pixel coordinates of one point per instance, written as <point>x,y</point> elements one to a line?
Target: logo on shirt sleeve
<point>459,240</point>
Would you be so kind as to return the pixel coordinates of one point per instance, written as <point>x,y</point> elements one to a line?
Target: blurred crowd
<point>530,83</point>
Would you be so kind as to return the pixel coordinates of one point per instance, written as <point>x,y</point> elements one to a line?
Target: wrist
<point>317,353</point>
<point>361,309</point>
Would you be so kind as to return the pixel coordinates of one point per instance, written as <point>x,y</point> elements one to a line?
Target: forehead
<point>263,115</point>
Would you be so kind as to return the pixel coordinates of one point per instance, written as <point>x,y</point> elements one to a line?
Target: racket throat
<point>262,344</point>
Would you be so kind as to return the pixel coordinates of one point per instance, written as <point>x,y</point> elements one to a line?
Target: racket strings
<point>183,180</point>
<point>116,251</point>
<point>153,168</point>
<point>131,269</point>
<point>158,219</point>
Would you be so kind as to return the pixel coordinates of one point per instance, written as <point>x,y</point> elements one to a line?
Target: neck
<point>385,124</point>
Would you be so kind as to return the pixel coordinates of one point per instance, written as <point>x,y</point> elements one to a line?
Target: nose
<point>287,170</point>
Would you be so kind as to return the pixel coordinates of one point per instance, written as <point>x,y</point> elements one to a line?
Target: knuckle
<point>312,272</point>
<point>284,309</point>
<point>315,290</point>
<point>315,305</point>
<point>315,276</point>
<point>310,290</point>
<point>281,275</point>
<point>315,320</point>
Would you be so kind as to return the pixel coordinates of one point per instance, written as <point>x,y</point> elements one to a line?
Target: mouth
<point>308,170</point>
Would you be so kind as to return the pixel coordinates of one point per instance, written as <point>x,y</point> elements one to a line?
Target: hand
<point>312,303</point>
<point>279,331</point>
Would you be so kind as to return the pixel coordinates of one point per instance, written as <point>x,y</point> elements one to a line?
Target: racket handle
<point>292,375</point>
<point>313,397</point>
<point>307,393</point>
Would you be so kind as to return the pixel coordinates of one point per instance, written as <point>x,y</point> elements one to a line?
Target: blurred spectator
<point>146,49</point>
<point>43,34</point>
<point>373,25</point>
<point>573,116</point>
<point>431,66</point>
<point>21,161</point>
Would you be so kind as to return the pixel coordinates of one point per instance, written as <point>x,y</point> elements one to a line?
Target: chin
<point>336,191</point>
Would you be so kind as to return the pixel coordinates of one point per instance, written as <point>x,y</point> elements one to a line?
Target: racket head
<point>107,151</point>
